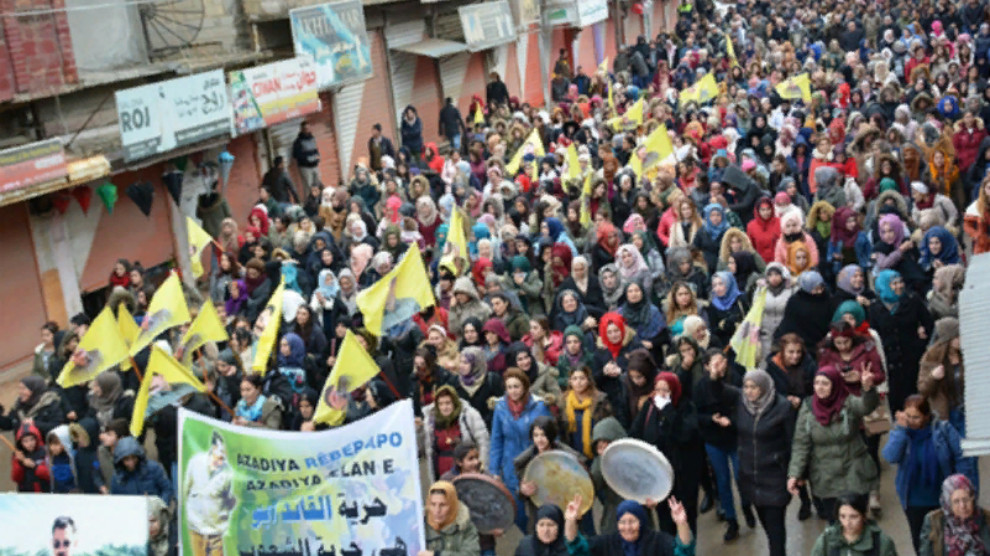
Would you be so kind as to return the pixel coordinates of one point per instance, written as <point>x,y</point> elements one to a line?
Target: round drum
<point>492,505</point>
<point>559,476</point>
<point>636,470</point>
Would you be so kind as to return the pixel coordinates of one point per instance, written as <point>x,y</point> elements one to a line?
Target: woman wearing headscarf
<point>448,523</point>
<point>728,306</point>
<point>361,256</point>
<point>780,288</point>
<point>942,374</point>
<point>475,384</point>
<point>553,229</point>
<point>828,447</point>
<point>938,248</point>
<point>943,299</point>
<point>791,231</point>
<point>108,400</point>
<point>325,302</point>
<point>670,423</point>
<point>976,220</point>
<point>586,285</point>
<point>466,304</point>
<point>578,351</point>
<point>258,287</point>
<point>607,241</point>
<point>614,343</point>
<point>613,286</point>
<point>643,317</point>
<point>548,537</point>
<point>896,252</point>
<point>764,425</point>
<point>959,527</point>
<point>809,311</point>
<point>632,266</point>
<point>496,347</point>
<point>764,229</point>
<point>448,421</point>
<point>904,325</point>
<point>709,238</point>
<point>634,536</point>
<point>37,403</point>
<point>852,353</point>
<point>513,417</point>
<point>926,450</point>
<point>851,285</point>
<point>848,243</point>
<point>527,285</point>
<point>570,311</point>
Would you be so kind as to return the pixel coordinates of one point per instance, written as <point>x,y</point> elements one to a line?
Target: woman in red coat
<point>852,354</point>
<point>969,132</point>
<point>764,229</point>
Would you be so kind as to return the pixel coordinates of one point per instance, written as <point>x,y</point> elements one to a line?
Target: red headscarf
<point>673,383</point>
<point>605,231</point>
<point>607,319</point>
<point>262,216</point>
<point>840,233</point>
<point>825,409</point>
<point>480,268</point>
<point>560,271</point>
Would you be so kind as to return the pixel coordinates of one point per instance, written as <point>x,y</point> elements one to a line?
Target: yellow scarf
<point>574,404</point>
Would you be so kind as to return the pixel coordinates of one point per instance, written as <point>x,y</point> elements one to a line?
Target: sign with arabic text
<point>267,95</point>
<point>353,490</point>
<point>334,36</point>
<point>164,116</point>
<point>32,164</point>
<point>487,24</point>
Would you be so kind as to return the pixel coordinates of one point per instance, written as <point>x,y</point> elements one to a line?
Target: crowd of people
<point>600,302</point>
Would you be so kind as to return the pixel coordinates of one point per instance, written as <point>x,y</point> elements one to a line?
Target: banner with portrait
<point>349,490</point>
<point>73,525</point>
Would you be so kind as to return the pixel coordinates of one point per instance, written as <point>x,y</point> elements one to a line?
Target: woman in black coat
<point>634,536</point>
<point>764,421</point>
<point>809,311</point>
<point>36,402</point>
<point>671,424</point>
<point>904,325</point>
<point>546,540</point>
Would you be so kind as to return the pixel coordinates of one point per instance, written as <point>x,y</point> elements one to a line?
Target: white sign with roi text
<point>163,116</point>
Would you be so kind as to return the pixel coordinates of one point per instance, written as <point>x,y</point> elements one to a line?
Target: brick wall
<point>38,47</point>
<point>6,69</point>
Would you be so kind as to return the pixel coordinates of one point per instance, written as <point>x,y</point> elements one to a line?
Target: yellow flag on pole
<point>398,295</point>
<point>731,50</point>
<point>631,119</point>
<point>746,340</point>
<point>353,369</point>
<point>456,245</point>
<point>704,90</point>
<point>166,310</point>
<point>270,318</point>
<point>479,118</point>
<point>533,144</point>
<point>129,330</point>
<point>573,162</point>
<point>162,364</point>
<point>604,66</point>
<point>206,327</point>
<point>797,87</point>
<point>100,348</point>
<point>586,201</point>
<point>658,147</point>
<point>198,240</point>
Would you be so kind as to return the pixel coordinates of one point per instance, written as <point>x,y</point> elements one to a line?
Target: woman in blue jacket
<point>926,451</point>
<point>514,414</point>
<point>849,244</point>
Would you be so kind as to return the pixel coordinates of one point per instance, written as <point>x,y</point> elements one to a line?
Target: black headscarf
<point>535,547</point>
<point>36,385</point>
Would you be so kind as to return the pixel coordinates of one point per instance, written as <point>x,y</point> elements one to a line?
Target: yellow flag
<point>198,240</point>
<point>163,364</point>
<point>129,330</point>
<point>731,50</point>
<point>586,201</point>
<point>795,87</point>
<point>573,162</point>
<point>604,66</point>
<point>704,90</point>
<point>533,144</point>
<point>206,327</point>
<point>273,318</point>
<point>353,369</point>
<point>746,340</point>
<point>101,347</point>
<point>456,245</point>
<point>398,295</point>
<point>658,147</point>
<point>166,310</point>
<point>479,118</point>
<point>631,119</point>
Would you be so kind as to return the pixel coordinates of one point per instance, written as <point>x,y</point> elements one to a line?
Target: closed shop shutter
<point>453,76</point>
<point>359,106</point>
<point>128,233</point>
<point>414,78</point>
<point>321,126</point>
<point>21,290</point>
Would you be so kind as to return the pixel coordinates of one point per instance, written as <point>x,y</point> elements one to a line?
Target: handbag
<point>879,421</point>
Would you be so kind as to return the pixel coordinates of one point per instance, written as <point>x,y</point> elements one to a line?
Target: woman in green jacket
<point>449,530</point>
<point>828,447</point>
<point>853,533</point>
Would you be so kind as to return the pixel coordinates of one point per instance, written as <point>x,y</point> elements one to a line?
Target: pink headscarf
<point>392,205</point>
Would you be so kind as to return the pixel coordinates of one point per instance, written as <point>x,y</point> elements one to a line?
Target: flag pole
<point>8,443</point>
<point>134,366</point>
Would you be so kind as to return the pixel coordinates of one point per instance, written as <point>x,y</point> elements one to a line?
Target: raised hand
<point>677,511</point>
<point>573,510</point>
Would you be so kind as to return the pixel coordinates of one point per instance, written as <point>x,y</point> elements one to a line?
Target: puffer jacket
<point>510,437</point>
<point>460,538</point>
<point>147,479</point>
<point>967,143</point>
<point>764,449</point>
<point>834,457</point>
<point>472,426</point>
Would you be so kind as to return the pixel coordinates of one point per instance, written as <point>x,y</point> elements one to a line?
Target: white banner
<point>246,490</point>
<point>163,116</point>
